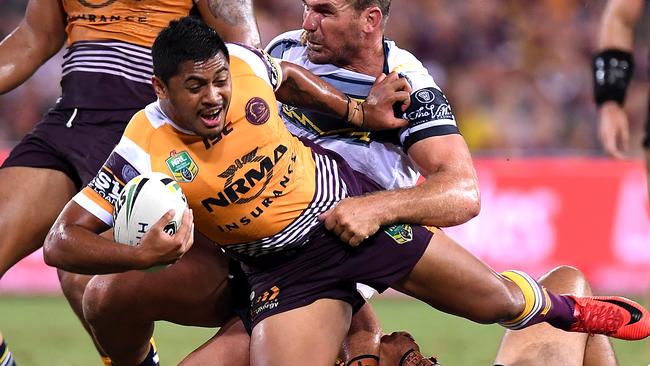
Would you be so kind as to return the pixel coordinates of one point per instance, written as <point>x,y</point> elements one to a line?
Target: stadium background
<point>518,76</point>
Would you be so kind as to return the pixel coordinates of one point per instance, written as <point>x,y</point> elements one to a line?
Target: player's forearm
<point>38,36</point>
<point>234,20</point>
<point>301,88</point>
<point>618,23</point>
<point>78,250</point>
<point>439,201</point>
<point>21,54</point>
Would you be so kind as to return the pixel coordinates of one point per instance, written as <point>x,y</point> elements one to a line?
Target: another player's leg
<point>542,344</point>
<point>453,280</point>
<point>311,334</point>
<point>6,357</point>
<point>121,308</point>
<point>229,347</point>
<point>30,201</point>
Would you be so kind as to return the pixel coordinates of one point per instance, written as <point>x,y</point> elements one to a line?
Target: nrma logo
<point>246,179</point>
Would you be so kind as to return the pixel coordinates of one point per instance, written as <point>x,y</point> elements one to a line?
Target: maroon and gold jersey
<point>255,188</point>
<point>108,60</point>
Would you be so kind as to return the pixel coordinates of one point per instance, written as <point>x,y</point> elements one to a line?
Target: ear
<point>159,87</point>
<point>373,19</point>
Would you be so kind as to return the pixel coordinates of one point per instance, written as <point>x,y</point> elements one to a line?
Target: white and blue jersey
<point>381,155</point>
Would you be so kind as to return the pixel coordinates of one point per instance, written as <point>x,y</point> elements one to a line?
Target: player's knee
<point>566,279</point>
<point>103,299</point>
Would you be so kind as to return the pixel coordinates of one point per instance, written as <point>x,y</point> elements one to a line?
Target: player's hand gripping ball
<point>143,201</point>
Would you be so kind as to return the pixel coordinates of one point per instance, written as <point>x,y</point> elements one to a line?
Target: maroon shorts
<point>325,267</point>
<point>79,150</point>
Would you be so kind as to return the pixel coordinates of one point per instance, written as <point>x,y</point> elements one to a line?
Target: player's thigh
<point>229,347</point>
<point>450,278</point>
<point>310,334</point>
<point>30,201</point>
<point>193,291</point>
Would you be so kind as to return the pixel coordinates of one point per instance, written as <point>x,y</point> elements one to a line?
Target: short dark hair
<point>383,5</point>
<point>187,38</point>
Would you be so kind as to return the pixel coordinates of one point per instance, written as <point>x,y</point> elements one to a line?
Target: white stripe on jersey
<point>134,154</point>
<point>129,61</point>
<point>330,189</point>
<point>93,208</point>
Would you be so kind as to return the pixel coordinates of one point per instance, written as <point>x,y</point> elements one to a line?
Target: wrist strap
<point>612,72</point>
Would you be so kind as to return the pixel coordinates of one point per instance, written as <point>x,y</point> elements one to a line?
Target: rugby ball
<point>142,202</point>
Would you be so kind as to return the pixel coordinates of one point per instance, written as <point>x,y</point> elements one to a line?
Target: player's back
<point>108,61</point>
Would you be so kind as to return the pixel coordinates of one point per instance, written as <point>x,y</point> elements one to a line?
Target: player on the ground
<point>613,66</point>
<point>106,79</point>
<point>538,345</point>
<point>259,192</point>
<point>342,41</point>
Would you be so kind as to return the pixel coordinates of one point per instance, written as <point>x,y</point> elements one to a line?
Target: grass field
<point>42,331</point>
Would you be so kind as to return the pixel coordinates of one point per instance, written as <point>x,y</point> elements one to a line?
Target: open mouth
<point>211,118</point>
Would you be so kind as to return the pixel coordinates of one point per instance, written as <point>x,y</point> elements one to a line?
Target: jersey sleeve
<point>263,65</point>
<point>429,113</point>
<point>125,162</point>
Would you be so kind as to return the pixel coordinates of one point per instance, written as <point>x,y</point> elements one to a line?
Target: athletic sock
<point>152,358</point>
<point>6,358</point>
<point>540,304</point>
<point>364,360</point>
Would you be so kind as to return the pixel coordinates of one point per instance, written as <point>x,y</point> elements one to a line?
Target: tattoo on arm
<point>234,12</point>
<point>300,97</point>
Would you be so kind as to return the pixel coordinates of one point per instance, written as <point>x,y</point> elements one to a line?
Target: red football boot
<point>614,316</point>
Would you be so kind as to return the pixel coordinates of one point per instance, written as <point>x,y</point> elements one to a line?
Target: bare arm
<point>618,23</point>
<point>234,20</point>
<point>617,33</point>
<point>299,87</point>
<point>449,196</point>
<point>74,244</point>
<point>38,37</point>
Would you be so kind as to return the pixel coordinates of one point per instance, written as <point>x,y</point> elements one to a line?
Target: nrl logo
<point>182,167</point>
<point>402,233</point>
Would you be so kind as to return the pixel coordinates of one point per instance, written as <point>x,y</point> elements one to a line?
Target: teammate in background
<point>342,41</point>
<point>613,66</point>
<point>106,79</point>
<point>303,280</point>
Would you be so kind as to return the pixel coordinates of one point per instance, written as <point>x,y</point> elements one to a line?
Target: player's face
<point>332,31</point>
<point>198,96</point>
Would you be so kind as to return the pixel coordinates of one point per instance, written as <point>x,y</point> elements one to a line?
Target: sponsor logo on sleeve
<point>106,185</point>
<point>428,104</point>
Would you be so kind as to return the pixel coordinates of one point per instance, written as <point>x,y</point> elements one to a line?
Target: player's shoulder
<point>286,42</point>
<point>143,125</point>
<point>245,60</point>
<point>405,63</point>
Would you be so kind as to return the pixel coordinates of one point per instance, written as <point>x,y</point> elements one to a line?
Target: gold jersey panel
<point>133,21</point>
<point>255,188</point>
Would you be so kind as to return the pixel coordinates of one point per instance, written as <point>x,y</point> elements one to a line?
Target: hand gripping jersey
<point>380,155</point>
<point>255,188</point>
<point>108,61</point>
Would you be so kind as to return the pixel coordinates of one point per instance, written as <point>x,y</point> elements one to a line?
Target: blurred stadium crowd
<point>517,73</point>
